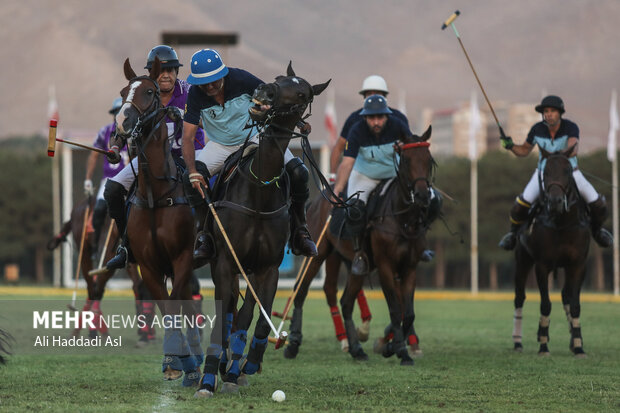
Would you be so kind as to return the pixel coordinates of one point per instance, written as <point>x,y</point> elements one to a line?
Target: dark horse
<point>395,240</point>
<point>558,238</point>
<point>160,222</point>
<point>95,285</point>
<point>252,205</point>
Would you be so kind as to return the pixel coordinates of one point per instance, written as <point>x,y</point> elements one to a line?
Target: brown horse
<point>160,222</point>
<point>559,237</point>
<point>395,240</point>
<point>95,285</point>
<point>253,205</point>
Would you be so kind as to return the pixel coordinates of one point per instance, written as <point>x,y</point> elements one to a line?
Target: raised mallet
<point>51,144</point>
<point>450,22</point>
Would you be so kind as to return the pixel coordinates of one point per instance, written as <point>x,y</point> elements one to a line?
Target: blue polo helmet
<point>375,105</point>
<point>206,67</point>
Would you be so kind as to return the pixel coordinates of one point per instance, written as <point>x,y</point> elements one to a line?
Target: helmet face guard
<point>551,101</point>
<point>166,54</point>
<point>375,105</point>
<point>207,67</point>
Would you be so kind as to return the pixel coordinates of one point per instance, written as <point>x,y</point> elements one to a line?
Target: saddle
<point>231,167</point>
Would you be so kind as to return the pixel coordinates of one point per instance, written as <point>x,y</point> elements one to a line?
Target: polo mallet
<point>301,275</point>
<point>101,268</point>
<point>51,144</point>
<point>281,336</point>
<point>77,272</point>
<point>450,22</point>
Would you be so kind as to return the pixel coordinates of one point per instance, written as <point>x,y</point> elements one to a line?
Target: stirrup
<point>359,265</point>
<point>204,248</point>
<point>603,238</point>
<point>508,241</point>
<point>302,243</point>
<point>119,260</point>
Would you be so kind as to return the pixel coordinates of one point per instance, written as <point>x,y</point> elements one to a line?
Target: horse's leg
<point>295,335</point>
<point>330,288</point>
<point>542,278</point>
<point>407,291</point>
<point>347,301</point>
<point>252,363</point>
<point>524,264</point>
<point>86,266</point>
<point>364,329</point>
<point>575,275</point>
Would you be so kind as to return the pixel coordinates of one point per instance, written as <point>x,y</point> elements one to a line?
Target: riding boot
<point>114,194</point>
<point>99,213</point>
<point>598,214</point>
<point>300,241</point>
<point>518,215</point>
<point>359,265</point>
<point>204,245</point>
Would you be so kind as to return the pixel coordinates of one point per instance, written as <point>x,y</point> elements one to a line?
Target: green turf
<point>468,365</point>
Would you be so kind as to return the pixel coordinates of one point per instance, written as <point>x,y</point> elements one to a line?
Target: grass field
<point>468,365</point>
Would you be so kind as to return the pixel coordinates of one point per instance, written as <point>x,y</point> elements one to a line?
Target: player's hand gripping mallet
<point>450,22</point>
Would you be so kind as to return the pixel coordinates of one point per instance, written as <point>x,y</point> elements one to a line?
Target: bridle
<point>564,187</point>
<point>406,185</point>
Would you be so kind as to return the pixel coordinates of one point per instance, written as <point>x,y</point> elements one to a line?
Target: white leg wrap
<point>517,329</point>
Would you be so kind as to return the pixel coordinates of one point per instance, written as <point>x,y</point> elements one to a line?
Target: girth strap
<point>161,203</point>
<point>245,210</point>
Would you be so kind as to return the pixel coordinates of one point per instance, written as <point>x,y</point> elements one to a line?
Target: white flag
<point>474,126</point>
<point>330,118</point>
<point>402,102</point>
<point>52,104</point>
<point>614,125</point>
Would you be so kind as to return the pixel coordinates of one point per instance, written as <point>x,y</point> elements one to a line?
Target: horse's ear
<point>155,69</point>
<point>568,152</point>
<point>317,89</point>
<point>545,154</point>
<point>289,69</point>
<point>129,73</point>
<point>427,135</point>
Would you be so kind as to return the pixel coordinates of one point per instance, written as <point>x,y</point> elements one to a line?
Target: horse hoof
<point>379,345</point>
<point>518,347</point>
<point>92,334</point>
<point>407,362</point>
<point>170,374</point>
<point>290,352</point>
<point>344,345</point>
<point>359,354</point>
<point>142,343</point>
<point>191,379</point>
<point>203,394</point>
<point>243,381</point>
<point>228,387</point>
<point>363,331</point>
<point>579,353</point>
<point>544,354</point>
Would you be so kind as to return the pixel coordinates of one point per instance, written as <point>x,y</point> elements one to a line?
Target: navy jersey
<point>356,117</point>
<point>539,135</point>
<point>374,154</point>
<point>224,123</point>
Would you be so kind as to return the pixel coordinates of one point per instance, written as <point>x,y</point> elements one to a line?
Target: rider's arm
<point>344,171</point>
<point>522,150</point>
<point>187,145</point>
<point>337,150</point>
<point>573,141</point>
<point>91,163</point>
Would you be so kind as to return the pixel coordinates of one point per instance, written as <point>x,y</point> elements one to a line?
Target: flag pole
<point>614,125</point>
<point>474,126</point>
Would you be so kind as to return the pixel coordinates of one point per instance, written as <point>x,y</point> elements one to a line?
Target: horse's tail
<point>60,237</point>
<point>5,339</point>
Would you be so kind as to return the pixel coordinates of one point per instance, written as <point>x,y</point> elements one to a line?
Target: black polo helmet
<point>166,54</point>
<point>551,101</point>
<point>375,105</point>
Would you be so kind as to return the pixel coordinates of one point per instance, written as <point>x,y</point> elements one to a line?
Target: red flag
<point>330,119</point>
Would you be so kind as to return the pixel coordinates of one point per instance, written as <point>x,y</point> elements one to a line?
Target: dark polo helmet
<point>551,101</point>
<point>166,54</point>
<point>375,105</point>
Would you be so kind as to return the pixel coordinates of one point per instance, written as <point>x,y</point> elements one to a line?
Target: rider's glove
<point>507,142</point>
<point>88,187</point>
<point>113,155</point>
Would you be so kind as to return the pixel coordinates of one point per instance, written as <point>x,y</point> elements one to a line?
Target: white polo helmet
<point>374,82</point>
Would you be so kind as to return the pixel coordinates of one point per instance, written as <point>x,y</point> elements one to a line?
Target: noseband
<point>408,185</point>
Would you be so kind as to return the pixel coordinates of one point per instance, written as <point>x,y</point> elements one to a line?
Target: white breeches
<point>586,190</point>
<point>362,183</point>
<point>126,175</point>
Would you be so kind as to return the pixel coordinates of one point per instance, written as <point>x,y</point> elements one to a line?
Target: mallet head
<point>51,144</point>
<point>281,339</point>
<point>450,19</point>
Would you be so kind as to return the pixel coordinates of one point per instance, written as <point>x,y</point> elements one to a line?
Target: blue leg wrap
<point>228,325</point>
<point>174,362</point>
<point>193,339</point>
<point>236,346</point>
<point>254,358</point>
<point>175,343</point>
<point>209,379</point>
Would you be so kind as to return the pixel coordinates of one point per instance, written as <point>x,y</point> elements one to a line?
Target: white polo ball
<point>278,396</point>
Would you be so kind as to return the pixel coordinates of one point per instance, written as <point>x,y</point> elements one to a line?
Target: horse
<point>559,237</point>
<point>109,238</point>
<point>252,206</point>
<point>5,340</point>
<point>395,240</point>
<point>160,221</point>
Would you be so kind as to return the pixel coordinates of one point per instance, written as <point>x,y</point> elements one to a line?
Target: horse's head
<point>556,180</point>
<point>415,168</point>
<point>285,100</point>
<point>140,100</point>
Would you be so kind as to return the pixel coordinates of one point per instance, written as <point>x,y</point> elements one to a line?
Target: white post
<point>614,191</point>
<point>67,206</point>
<point>57,221</point>
<point>474,226</point>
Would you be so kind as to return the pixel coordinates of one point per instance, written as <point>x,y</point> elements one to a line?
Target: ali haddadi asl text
<point>59,341</point>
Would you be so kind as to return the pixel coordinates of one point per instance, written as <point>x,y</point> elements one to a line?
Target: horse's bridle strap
<point>416,145</point>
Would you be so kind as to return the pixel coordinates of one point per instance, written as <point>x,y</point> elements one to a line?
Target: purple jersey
<point>179,98</point>
<point>103,142</point>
